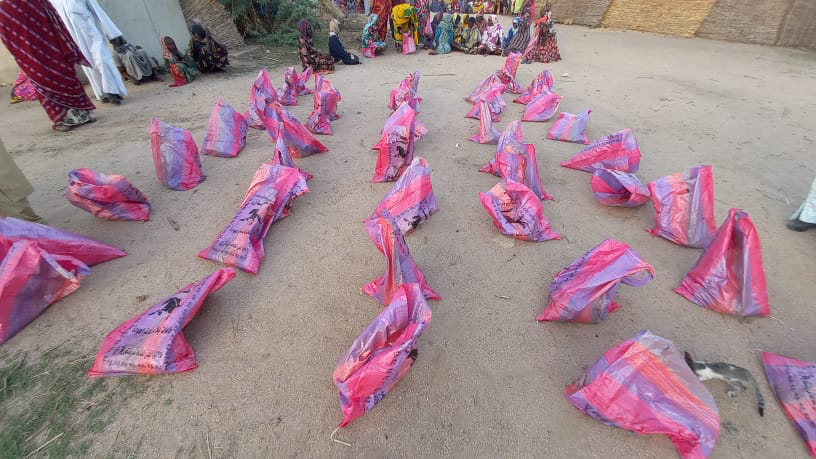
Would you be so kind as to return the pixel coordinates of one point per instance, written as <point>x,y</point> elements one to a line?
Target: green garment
<point>14,189</point>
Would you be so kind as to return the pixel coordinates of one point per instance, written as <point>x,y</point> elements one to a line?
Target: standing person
<point>382,8</point>
<point>368,40</point>
<point>805,217</point>
<point>336,48</point>
<point>181,66</point>
<point>91,29</point>
<point>544,47</point>
<point>366,7</point>
<point>208,54</point>
<point>404,20</point>
<point>42,47</point>
<point>520,40</point>
<point>309,55</point>
<point>528,8</point>
<point>14,190</point>
<point>423,14</point>
<point>444,35</point>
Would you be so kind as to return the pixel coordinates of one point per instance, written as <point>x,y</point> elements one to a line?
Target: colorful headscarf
<point>365,38</point>
<point>169,49</point>
<point>305,29</point>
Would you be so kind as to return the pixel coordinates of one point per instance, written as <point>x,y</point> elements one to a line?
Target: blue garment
<point>509,37</point>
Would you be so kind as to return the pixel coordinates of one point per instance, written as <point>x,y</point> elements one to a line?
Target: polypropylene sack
<point>282,157</point>
<point>401,268</point>
<point>520,167</point>
<point>487,133</point>
<point>616,151</point>
<point>152,342</point>
<point>543,82</point>
<point>728,277</point>
<point>31,279</point>
<point>644,385</point>
<point>406,91</point>
<point>516,211</point>
<point>175,156</point>
<point>294,86</point>
<point>109,197</point>
<point>495,103</point>
<point>684,207</point>
<point>411,200</point>
<point>280,122</point>
<point>325,107</point>
<point>507,74</point>
<point>261,93</point>
<point>302,79</point>
<point>271,193</point>
<point>322,84</point>
<point>584,291</point>
<point>226,131</point>
<point>511,64</point>
<point>792,381</point>
<point>542,107</point>
<point>57,241</point>
<point>408,44</point>
<point>396,145</point>
<point>570,128</point>
<point>382,354</point>
<point>617,188</point>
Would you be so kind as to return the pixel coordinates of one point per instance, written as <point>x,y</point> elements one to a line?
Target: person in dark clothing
<point>336,48</point>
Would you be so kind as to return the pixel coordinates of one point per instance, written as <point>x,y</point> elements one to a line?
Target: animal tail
<point>759,398</point>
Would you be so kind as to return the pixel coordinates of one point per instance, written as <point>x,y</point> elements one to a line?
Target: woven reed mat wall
<point>584,12</point>
<point>215,18</point>
<point>746,21</point>
<point>671,17</point>
<point>799,26</point>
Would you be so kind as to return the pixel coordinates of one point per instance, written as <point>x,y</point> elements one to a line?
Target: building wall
<point>215,18</point>
<point>799,26</point>
<point>662,16</point>
<point>747,21</point>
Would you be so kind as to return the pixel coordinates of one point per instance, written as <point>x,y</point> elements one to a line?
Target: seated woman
<point>491,39</point>
<point>520,40</point>
<point>511,31</point>
<point>444,35</point>
<point>471,38</point>
<point>404,20</point>
<point>368,40</point>
<point>336,48</point>
<point>181,66</point>
<point>209,55</point>
<point>309,56</point>
<point>545,46</point>
<point>133,62</point>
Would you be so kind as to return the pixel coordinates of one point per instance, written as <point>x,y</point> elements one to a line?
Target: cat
<point>736,377</point>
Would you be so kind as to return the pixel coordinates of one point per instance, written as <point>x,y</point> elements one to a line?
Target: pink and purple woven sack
<point>684,207</point>
<point>570,128</point>
<point>792,381</point>
<point>495,103</point>
<point>261,93</point>
<point>517,211</point>
<point>406,91</point>
<point>175,156</point>
<point>543,82</point>
<point>617,151</point>
<point>396,145</point>
<point>280,122</point>
<point>516,161</point>
<point>57,241</point>
<point>109,197</point>
<point>294,85</point>
<point>226,131</point>
<point>542,107</point>
<point>617,188</point>
<point>411,200</point>
<point>326,99</point>
<point>487,133</point>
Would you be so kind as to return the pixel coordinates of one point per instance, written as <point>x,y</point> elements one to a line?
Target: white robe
<point>91,28</point>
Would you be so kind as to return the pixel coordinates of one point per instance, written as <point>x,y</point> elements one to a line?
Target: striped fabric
<point>792,381</point>
<point>517,211</point>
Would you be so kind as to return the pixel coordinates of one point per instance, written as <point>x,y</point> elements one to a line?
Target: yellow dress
<point>404,16</point>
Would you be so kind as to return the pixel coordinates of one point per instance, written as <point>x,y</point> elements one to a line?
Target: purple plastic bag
<point>542,107</point>
<point>226,131</point>
<point>281,123</point>
<point>684,207</point>
<point>617,188</point>
<point>109,197</point>
<point>542,82</point>
<point>262,92</point>
<point>487,133</point>
<point>411,200</point>
<point>616,151</point>
<point>57,241</point>
<point>175,156</point>
<point>516,211</point>
<point>570,128</point>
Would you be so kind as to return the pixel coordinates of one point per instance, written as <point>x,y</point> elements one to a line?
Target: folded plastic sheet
<point>261,93</point>
<point>382,354</point>
<point>584,291</point>
<point>226,131</point>
<point>280,122</point>
<point>542,107</point>
<point>487,133</point>
<point>792,381</point>
<point>396,145</point>
<point>152,342</point>
<point>570,128</point>
<point>617,188</point>
<point>684,207</point>
<point>728,277</point>
<point>109,197</point>
<point>520,167</point>
<point>31,279</point>
<point>406,91</point>
<point>326,98</point>
<point>268,199</point>
<point>495,103</point>
<point>411,200</point>
<point>644,385</point>
<point>543,82</point>
<point>401,268</point>
<point>57,241</point>
<point>175,156</point>
<point>517,211</point>
<point>617,151</point>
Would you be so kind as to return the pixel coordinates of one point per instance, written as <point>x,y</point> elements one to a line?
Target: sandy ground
<point>489,379</point>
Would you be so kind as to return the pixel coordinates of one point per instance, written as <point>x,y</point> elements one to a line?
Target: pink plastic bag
<point>262,92</point>
<point>280,122</point>
<point>396,145</point>
<point>543,82</point>
<point>542,107</point>
<point>406,91</point>
<point>382,354</point>
<point>584,291</point>
<point>792,382</point>
<point>271,193</point>
<point>152,342</point>
<point>401,268</point>
<point>408,44</point>
<point>325,107</point>
<point>57,241</point>
<point>570,128</point>
<point>495,103</point>
<point>175,156</point>
<point>370,52</point>
<point>516,211</point>
<point>617,151</point>
<point>487,133</point>
<point>616,188</point>
<point>684,207</point>
<point>644,385</point>
<point>411,200</point>
<point>728,277</point>
<point>109,197</point>
<point>226,132</point>
<point>31,279</point>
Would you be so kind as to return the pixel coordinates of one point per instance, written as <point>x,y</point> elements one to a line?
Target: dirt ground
<point>489,378</point>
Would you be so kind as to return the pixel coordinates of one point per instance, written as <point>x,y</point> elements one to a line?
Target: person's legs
<point>805,217</point>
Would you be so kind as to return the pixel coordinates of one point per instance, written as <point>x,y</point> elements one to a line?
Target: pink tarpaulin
<point>684,207</point>
<point>152,342</point>
<point>728,277</point>
<point>617,188</point>
<point>268,199</point>
<point>175,156</point>
<point>411,200</point>
<point>542,107</point>
<point>617,151</point>
<point>281,123</point>
<point>261,93</point>
<point>109,197</point>
<point>57,241</point>
<point>792,381</point>
<point>396,145</point>
<point>584,291</point>
<point>226,131</point>
<point>517,211</point>
<point>543,82</point>
<point>644,385</point>
<point>406,91</point>
<point>382,354</point>
<point>570,128</point>
<point>487,133</point>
